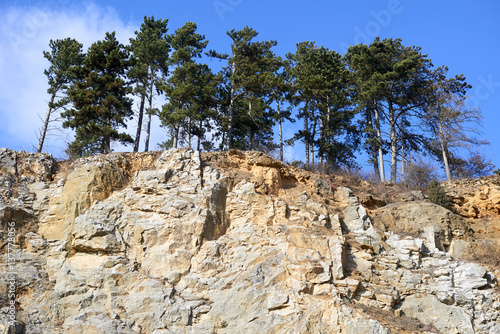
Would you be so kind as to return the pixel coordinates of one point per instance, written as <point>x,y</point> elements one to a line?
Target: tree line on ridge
<point>384,98</point>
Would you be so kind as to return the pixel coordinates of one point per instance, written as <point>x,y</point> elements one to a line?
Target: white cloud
<point>25,33</point>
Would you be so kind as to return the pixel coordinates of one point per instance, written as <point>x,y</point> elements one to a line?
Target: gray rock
<point>429,310</point>
<point>8,162</point>
<point>469,276</point>
<point>188,248</point>
<point>95,230</point>
<point>432,222</point>
<point>411,196</point>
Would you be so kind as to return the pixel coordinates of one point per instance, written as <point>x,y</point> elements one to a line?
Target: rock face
<point>475,198</point>
<point>232,242</point>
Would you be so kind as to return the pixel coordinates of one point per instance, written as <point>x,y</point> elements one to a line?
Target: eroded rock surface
<point>477,198</point>
<point>232,242</point>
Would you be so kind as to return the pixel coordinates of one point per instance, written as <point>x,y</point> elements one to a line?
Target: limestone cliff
<point>234,242</point>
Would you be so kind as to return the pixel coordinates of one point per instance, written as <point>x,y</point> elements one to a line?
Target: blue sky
<point>463,35</point>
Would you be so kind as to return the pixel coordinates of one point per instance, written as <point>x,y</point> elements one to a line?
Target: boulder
<point>437,225</point>
<point>429,310</point>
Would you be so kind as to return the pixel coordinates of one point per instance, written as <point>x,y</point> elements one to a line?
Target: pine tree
<point>205,104</point>
<point>364,64</point>
<point>404,85</point>
<point>182,86</point>
<point>65,55</point>
<point>282,96</point>
<point>397,80</point>
<point>150,50</point>
<point>99,97</point>
<point>249,78</point>
<point>319,80</point>
<point>437,194</point>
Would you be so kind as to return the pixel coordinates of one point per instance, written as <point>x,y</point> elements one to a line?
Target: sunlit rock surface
<point>235,242</point>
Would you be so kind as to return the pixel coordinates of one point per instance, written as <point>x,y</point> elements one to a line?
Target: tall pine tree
<point>396,80</point>
<point>182,87</point>
<point>99,96</point>
<point>150,50</point>
<point>365,63</point>
<point>249,78</point>
<point>320,87</point>
<point>205,104</point>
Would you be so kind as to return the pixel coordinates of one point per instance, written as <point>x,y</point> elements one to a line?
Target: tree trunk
<point>175,138</point>
<point>402,160</point>
<point>148,131</point>
<point>252,141</point>
<point>394,151</point>
<point>188,130</point>
<point>329,136</point>
<point>325,135</point>
<point>373,145</point>
<point>107,145</point>
<point>375,162</point>
<point>380,148</point>
<point>150,109</point>
<point>306,135</point>
<point>198,145</point>
<point>252,135</point>
<point>45,124</point>
<point>107,138</point>
<point>139,124</point>
<point>321,136</point>
<point>280,129</point>
<point>313,135</point>
<point>446,164</point>
<point>444,152</point>
<point>229,137</point>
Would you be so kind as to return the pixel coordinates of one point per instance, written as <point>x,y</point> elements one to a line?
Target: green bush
<point>437,195</point>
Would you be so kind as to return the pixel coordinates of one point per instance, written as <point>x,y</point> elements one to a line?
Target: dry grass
<point>395,324</point>
<point>63,168</point>
<point>484,251</point>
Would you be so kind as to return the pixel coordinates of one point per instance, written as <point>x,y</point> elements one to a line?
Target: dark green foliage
<point>100,102</point>
<point>190,87</point>
<point>166,145</point>
<point>281,94</point>
<point>394,80</point>
<point>65,55</point>
<point>321,89</point>
<point>437,195</point>
<point>247,83</point>
<point>385,97</point>
<point>204,106</point>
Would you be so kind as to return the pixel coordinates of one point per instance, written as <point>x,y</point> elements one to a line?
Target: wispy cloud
<point>25,33</point>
